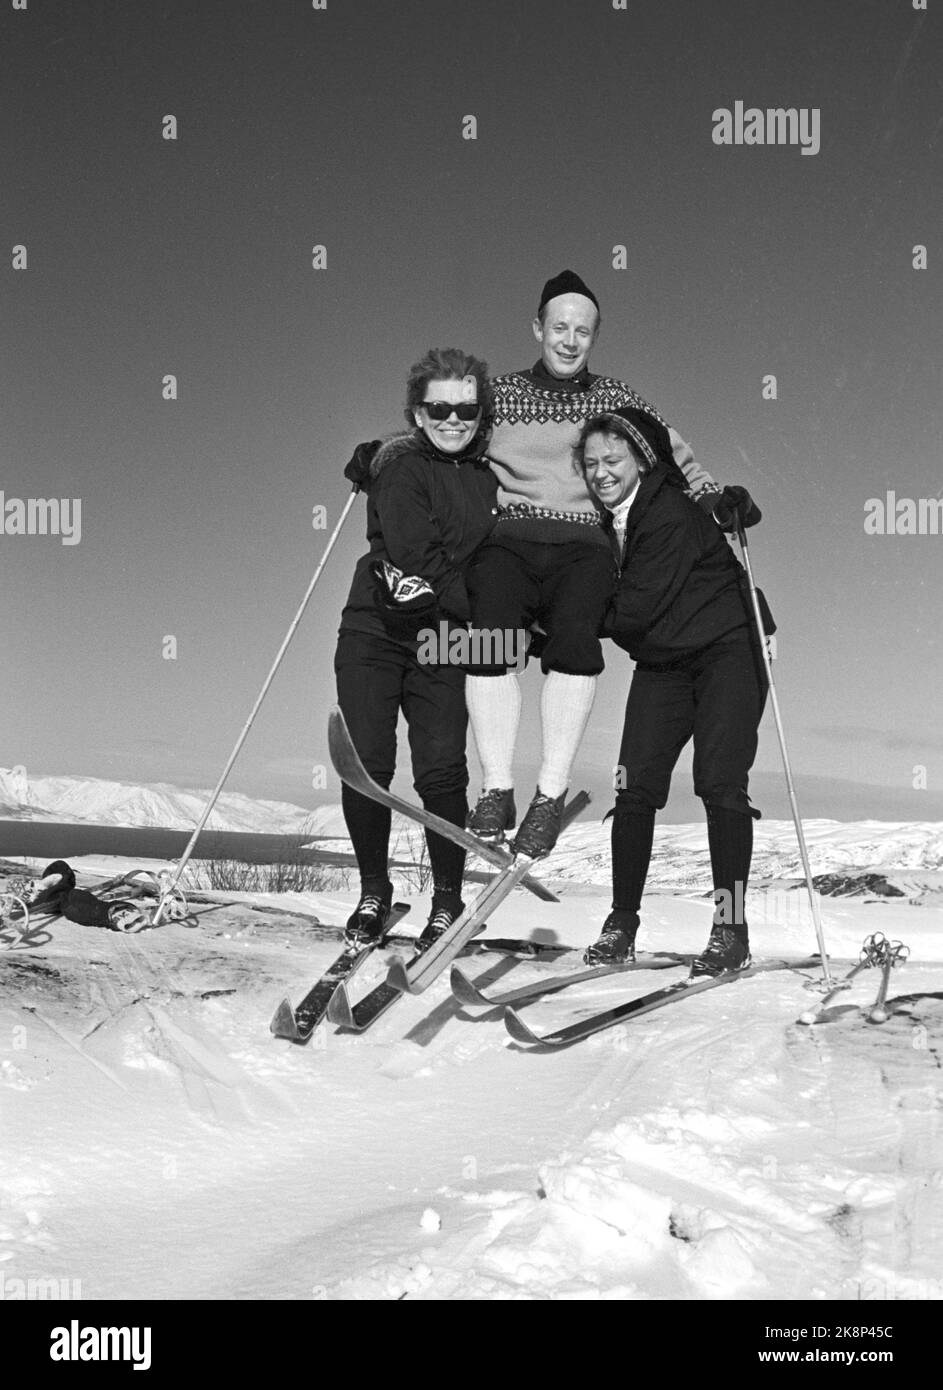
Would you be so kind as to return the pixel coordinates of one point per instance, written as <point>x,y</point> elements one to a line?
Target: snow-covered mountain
<point>680,858</point>
<point>680,851</point>
<point>96,801</point>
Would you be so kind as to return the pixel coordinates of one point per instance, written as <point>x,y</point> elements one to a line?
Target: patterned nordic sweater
<point>537,421</point>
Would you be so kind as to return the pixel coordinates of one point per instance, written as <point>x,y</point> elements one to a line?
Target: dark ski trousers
<point>377,677</point>
<point>717,697</point>
<point>565,587</point>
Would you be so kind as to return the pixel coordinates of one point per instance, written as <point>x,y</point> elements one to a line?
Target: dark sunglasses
<point>441,410</point>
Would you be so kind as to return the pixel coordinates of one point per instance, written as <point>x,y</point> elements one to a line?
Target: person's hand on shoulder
<point>358,468</point>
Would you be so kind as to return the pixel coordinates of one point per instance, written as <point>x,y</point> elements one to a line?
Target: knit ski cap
<point>567,282</point>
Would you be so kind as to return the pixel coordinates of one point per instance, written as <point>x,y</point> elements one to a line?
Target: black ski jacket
<point>681,587</point>
<point>427,513</point>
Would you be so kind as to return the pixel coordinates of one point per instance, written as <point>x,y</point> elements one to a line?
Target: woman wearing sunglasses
<point>431,503</point>
<point>682,613</point>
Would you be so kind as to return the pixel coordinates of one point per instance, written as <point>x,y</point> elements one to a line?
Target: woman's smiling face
<point>610,468</point>
<point>451,435</point>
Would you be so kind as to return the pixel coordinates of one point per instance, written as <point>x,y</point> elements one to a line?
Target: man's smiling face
<point>566,333</point>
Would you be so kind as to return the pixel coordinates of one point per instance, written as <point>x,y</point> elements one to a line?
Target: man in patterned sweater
<point>549,558</point>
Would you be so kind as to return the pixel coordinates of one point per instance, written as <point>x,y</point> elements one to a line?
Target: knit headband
<point>637,437</point>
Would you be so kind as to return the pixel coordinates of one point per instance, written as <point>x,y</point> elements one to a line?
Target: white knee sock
<point>494,711</point>
<point>565,705</point>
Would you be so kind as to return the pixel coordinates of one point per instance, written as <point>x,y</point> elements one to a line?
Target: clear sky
<point>343,127</point>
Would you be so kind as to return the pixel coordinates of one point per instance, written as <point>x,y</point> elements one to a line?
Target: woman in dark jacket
<point>431,503</point>
<point>682,614</point>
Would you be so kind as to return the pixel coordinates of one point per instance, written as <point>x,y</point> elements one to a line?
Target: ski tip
<point>518,1029</point>
<point>339,1011</point>
<point>463,990</point>
<point>539,890</point>
<point>283,1024</point>
<point>397,977</point>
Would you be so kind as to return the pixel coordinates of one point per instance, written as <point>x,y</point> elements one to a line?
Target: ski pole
<point>790,786</point>
<point>171,883</point>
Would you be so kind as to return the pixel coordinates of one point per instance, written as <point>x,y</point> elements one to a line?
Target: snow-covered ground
<point>158,1142</point>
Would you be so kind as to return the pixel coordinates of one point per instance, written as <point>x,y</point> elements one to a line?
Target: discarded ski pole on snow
<point>174,878</point>
<point>790,787</point>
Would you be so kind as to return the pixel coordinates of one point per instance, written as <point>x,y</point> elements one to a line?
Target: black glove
<point>406,602</point>
<point>736,505</point>
<point>358,469</point>
<point>408,593</point>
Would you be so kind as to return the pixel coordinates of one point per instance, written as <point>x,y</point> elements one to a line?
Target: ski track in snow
<point>159,1143</point>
